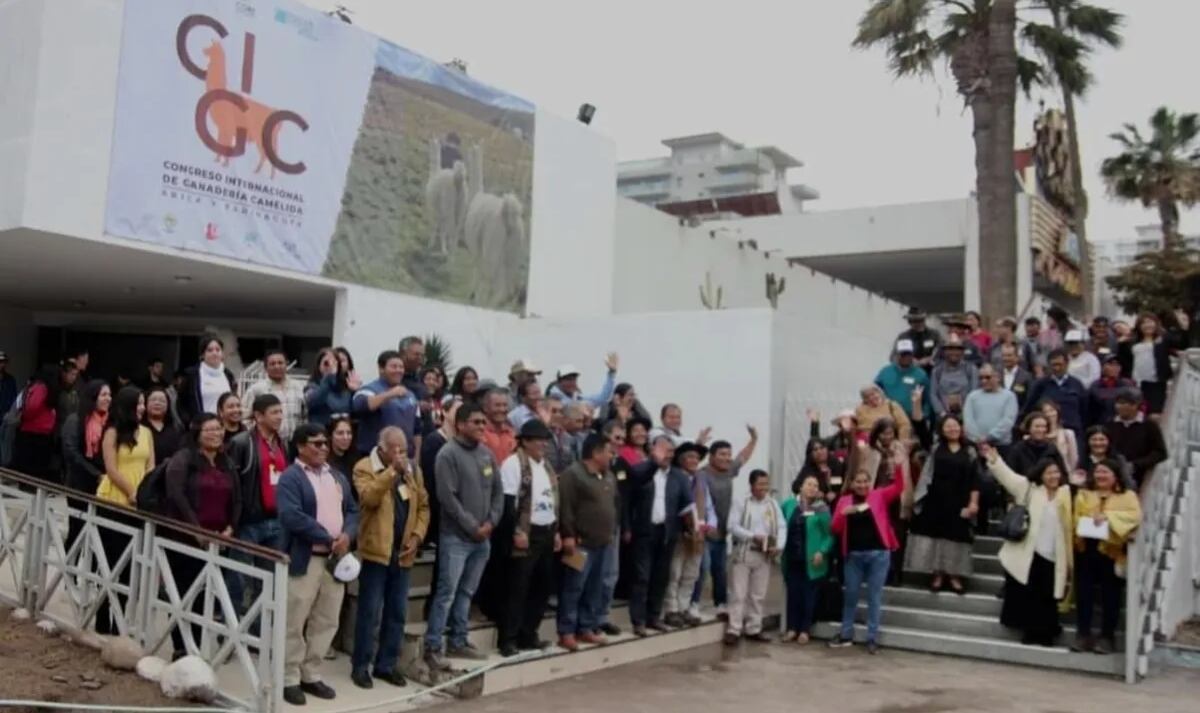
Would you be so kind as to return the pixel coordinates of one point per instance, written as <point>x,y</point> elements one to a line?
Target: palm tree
<point>1161,171</point>
<point>976,37</point>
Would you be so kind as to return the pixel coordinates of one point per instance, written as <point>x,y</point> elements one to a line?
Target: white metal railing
<point>1166,542</point>
<point>55,549</point>
<point>256,371</point>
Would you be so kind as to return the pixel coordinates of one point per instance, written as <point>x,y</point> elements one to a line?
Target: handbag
<point>1014,526</point>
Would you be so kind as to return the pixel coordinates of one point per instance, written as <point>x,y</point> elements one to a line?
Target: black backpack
<point>152,491</point>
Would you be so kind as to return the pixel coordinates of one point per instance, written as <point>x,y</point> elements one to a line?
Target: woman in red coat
<point>34,442</point>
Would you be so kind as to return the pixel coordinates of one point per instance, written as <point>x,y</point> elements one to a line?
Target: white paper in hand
<point>1089,530</point>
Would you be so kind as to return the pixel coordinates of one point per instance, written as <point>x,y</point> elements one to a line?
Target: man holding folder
<point>588,519</point>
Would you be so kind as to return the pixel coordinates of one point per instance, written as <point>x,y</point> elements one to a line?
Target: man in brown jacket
<point>394,516</point>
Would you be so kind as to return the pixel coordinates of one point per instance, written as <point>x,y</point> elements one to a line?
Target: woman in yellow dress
<point>128,449</point>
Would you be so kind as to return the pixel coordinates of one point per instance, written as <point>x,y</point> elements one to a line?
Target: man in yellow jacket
<point>394,516</point>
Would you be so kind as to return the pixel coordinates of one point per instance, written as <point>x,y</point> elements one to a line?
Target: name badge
<point>620,475</point>
<point>863,507</point>
<point>274,475</point>
<point>808,513</point>
<point>909,381</point>
<point>487,471</point>
<point>1019,388</point>
<point>402,491</point>
<point>929,344</point>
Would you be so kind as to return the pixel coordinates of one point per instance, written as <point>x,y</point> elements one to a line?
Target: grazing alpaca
<point>495,236</point>
<point>229,119</point>
<point>446,206</point>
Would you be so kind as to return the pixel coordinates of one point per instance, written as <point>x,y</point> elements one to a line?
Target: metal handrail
<point>78,572</point>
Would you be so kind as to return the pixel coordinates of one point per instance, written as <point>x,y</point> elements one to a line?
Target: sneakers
<point>465,651</point>
<point>436,662</point>
<point>789,637</point>
<point>640,631</point>
<point>872,648</point>
<point>673,620</point>
<point>694,611</point>
<point>802,639</point>
<point>689,620</point>
<point>568,642</point>
<point>610,629</point>
<point>658,626</point>
<point>838,642</point>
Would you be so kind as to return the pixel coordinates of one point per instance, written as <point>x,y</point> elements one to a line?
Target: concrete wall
<point>18,337</point>
<point>19,37</point>
<point>68,50</point>
<point>911,226</point>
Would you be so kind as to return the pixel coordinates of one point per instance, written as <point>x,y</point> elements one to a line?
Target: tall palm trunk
<point>997,189</point>
<point>1086,268</point>
<point>1168,216</point>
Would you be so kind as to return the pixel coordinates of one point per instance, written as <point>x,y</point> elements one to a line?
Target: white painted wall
<point>68,51</point>
<point>368,321</point>
<point>571,260</point>
<point>19,39</point>
<point>911,226</point>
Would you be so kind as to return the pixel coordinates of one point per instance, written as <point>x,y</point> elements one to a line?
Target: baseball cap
<point>904,346</point>
<point>525,364</point>
<point>567,370</point>
<point>1074,335</point>
<point>345,568</point>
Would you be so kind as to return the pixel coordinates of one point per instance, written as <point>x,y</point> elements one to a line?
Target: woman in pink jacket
<point>861,522</point>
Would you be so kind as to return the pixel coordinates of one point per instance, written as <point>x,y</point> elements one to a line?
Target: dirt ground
<point>1189,633</point>
<point>34,666</point>
<point>776,678</point>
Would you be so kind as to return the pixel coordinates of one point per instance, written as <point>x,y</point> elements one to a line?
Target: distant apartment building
<point>1114,255</point>
<point>710,176</point>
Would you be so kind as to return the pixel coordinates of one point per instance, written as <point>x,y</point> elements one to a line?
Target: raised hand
<point>612,361</point>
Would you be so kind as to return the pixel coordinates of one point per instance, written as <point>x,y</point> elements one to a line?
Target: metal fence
<point>1167,540</point>
<point>71,558</point>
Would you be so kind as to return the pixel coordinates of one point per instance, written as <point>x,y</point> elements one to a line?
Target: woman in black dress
<point>947,501</point>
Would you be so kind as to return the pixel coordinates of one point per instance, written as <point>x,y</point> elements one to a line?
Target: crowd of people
<point>529,490</point>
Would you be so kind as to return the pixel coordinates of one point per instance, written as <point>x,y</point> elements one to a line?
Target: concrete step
<point>980,583</point>
<point>986,649</point>
<point>978,625</point>
<point>987,564</point>
<point>987,545</point>
<point>973,602</point>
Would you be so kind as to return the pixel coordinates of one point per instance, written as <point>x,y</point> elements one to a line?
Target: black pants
<point>491,597</point>
<point>1096,570</point>
<point>652,567</point>
<point>1031,607</point>
<point>530,582</point>
<point>185,569</point>
<point>114,544</point>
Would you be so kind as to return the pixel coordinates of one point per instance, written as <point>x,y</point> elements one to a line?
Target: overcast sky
<point>782,72</point>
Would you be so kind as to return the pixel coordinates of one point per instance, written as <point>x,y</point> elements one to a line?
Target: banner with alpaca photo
<point>270,133</point>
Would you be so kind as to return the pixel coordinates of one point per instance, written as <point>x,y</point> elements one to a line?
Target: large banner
<point>268,132</point>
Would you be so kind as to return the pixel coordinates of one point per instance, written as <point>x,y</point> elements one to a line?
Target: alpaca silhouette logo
<point>239,119</point>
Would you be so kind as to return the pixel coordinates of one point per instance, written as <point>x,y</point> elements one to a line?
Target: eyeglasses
<point>319,444</point>
<point>213,429</point>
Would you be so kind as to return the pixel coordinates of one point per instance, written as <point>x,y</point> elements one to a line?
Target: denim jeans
<point>582,594</point>
<point>715,564</point>
<point>612,572</point>
<point>460,566</point>
<point>266,533</point>
<point>382,590</point>
<point>870,566</point>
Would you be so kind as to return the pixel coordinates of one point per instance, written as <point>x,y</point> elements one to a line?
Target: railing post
<point>33,574</point>
<point>1133,608</point>
<point>274,690</point>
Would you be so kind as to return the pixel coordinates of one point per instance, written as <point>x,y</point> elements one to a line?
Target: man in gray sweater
<point>990,412</point>
<point>471,498</point>
<point>952,379</point>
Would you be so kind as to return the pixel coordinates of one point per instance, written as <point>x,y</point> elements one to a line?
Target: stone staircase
<point>968,625</point>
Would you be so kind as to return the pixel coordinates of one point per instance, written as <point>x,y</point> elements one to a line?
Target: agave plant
<point>437,353</point>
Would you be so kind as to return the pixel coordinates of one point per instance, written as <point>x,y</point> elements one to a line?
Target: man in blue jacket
<point>1065,390</point>
<point>902,376</point>
<point>319,518</point>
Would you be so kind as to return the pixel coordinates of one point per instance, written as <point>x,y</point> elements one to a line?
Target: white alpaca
<point>495,236</point>
<point>446,206</point>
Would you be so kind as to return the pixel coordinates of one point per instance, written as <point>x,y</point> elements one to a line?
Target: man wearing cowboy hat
<point>689,552</point>
<point>953,378</point>
<point>959,327</point>
<point>925,340</point>
<point>521,371</point>
<point>528,478</point>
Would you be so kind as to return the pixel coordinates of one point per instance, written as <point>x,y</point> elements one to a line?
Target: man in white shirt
<point>759,534</point>
<point>1083,364</point>
<point>528,478</point>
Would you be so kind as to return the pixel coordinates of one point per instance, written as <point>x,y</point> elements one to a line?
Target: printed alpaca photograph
<point>439,191</point>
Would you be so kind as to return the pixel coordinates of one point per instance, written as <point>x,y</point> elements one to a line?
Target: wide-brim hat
<point>956,320</point>
<point>915,314</point>
<point>689,447</point>
<point>524,365</point>
<point>534,430</point>
<point>567,370</point>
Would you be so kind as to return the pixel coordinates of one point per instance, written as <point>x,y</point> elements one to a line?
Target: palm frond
<point>885,20</point>
<point>438,353</point>
<point>1030,74</point>
<point>1096,23</point>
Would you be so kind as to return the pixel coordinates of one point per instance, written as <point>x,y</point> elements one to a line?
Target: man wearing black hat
<point>1135,437</point>
<point>925,341</point>
<point>588,499</point>
<point>1102,394</point>
<point>659,495</point>
<point>689,552</point>
<point>959,327</point>
<point>528,477</point>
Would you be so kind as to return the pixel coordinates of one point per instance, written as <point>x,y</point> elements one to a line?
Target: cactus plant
<point>775,287</point>
<point>710,298</point>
